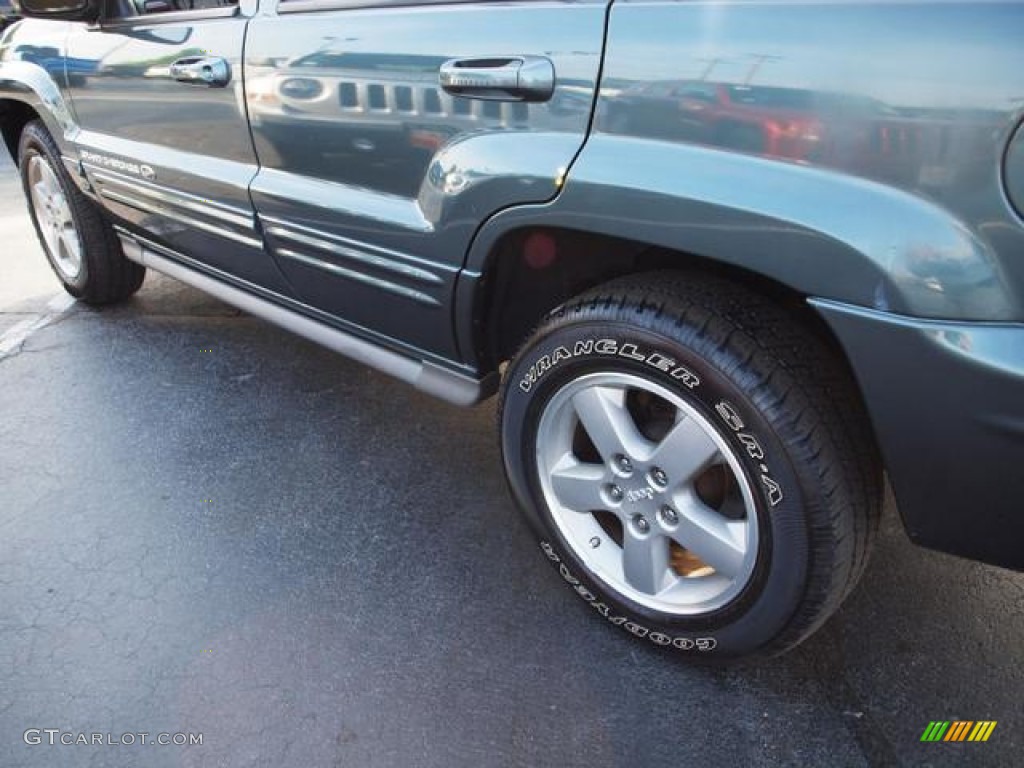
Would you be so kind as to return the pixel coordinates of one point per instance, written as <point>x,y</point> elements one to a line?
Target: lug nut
<point>614,493</point>
<point>669,516</point>
<point>625,466</point>
<point>658,477</point>
<point>595,543</point>
<point>641,524</point>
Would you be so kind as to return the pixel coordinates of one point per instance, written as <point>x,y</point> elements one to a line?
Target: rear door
<point>375,175</point>
<point>165,141</point>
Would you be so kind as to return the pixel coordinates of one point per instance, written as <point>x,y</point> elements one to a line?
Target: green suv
<point>724,264</point>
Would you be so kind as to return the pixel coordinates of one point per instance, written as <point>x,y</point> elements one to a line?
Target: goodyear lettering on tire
<point>631,626</point>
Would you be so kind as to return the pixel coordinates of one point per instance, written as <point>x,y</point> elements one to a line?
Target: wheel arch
<point>537,268</point>
<point>808,231</point>
<point>28,92</point>
<point>14,116</point>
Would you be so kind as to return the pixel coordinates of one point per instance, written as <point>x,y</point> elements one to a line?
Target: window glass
<point>121,9</point>
<point>403,98</point>
<point>789,98</point>
<point>698,91</point>
<point>376,96</point>
<point>348,95</point>
<point>432,101</point>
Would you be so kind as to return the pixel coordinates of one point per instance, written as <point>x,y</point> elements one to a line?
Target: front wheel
<point>79,242</point>
<point>696,463</point>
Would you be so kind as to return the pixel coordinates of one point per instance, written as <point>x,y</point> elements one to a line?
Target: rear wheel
<point>79,242</point>
<point>696,463</point>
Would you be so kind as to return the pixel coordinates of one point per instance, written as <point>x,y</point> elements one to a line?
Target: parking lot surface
<point>208,526</point>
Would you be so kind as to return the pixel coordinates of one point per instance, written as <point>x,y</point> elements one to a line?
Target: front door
<point>157,89</point>
<point>377,167</point>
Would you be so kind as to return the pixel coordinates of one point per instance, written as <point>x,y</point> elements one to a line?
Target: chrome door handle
<point>505,78</point>
<point>214,72</point>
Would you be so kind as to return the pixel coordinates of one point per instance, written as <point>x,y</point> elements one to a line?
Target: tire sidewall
<point>716,388</point>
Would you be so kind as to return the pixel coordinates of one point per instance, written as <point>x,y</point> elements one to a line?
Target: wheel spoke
<point>55,218</point>
<point>64,211</point>
<point>602,411</point>
<point>48,177</point>
<point>718,541</point>
<point>578,485</point>
<point>71,253</point>
<point>685,451</point>
<point>49,230</point>
<point>40,193</point>
<point>645,561</point>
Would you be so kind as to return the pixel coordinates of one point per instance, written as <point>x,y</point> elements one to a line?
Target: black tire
<point>104,275</point>
<point>816,483</point>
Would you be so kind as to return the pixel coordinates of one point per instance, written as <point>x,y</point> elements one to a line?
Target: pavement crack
<point>13,342</point>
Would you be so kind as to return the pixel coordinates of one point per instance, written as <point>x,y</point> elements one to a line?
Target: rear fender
<point>822,233</point>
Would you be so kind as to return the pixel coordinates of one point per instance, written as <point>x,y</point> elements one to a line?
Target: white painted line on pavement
<point>18,334</point>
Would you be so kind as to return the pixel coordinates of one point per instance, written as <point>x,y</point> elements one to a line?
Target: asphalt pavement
<point>211,527</point>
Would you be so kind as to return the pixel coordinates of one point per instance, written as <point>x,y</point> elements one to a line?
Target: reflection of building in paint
<point>377,110</point>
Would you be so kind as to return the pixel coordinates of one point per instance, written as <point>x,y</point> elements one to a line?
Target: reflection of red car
<point>927,149</point>
<point>782,122</point>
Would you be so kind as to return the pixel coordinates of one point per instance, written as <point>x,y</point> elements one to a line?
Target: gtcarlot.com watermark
<point>55,736</point>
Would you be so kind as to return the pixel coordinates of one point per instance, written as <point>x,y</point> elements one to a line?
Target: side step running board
<point>424,375</point>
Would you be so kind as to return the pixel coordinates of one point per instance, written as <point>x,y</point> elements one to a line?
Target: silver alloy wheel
<point>633,505</point>
<point>55,219</point>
